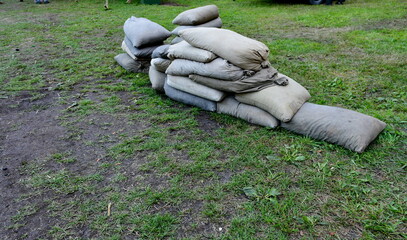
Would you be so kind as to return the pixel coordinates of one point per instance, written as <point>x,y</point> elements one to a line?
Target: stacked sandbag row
<point>206,16</point>
<point>142,37</point>
<point>223,71</point>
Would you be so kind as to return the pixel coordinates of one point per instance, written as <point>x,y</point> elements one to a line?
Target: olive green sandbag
<point>249,113</point>
<point>347,128</point>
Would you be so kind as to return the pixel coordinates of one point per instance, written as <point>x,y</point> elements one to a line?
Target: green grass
<point>170,171</point>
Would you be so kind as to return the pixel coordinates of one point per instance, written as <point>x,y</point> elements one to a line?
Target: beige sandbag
<point>249,113</point>
<point>280,101</point>
<point>160,64</point>
<point>157,79</point>
<point>197,15</point>
<point>185,51</point>
<point>187,85</point>
<point>216,23</point>
<point>350,129</point>
<point>242,51</point>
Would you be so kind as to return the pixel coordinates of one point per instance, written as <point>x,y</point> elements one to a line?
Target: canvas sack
<point>189,99</point>
<point>127,50</point>
<point>216,23</point>
<point>143,32</point>
<point>157,79</point>
<point>347,128</point>
<point>241,51</point>
<point>265,78</point>
<point>197,15</point>
<point>161,51</point>
<point>249,113</point>
<point>140,52</point>
<point>131,65</point>
<point>280,101</point>
<point>160,64</point>
<point>184,50</point>
<point>218,68</point>
<point>187,85</point>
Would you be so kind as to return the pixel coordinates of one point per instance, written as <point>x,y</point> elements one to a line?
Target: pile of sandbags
<point>219,70</point>
<point>206,16</point>
<point>142,37</point>
<point>232,76</point>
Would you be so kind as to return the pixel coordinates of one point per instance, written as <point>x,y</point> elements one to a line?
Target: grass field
<point>90,151</point>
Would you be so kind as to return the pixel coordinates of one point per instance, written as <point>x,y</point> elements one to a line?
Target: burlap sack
<point>216,23</point>
<point>189,99</point>
<point>280,101</point>
<point>249,113</point>
<point>184,50</point>
<point>350,129</point>
<point>197,15</point>
<point>157,79</point>
<point>242,51</point>
<point>187,85</point>
<point>218,68</point>
<point>143,32</point>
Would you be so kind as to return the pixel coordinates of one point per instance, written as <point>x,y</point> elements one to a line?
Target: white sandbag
<point>280,101</point>
<point>143,32</point>
<point>242,51</point>
<point>251,114</point>
<point>216,23</point>
<point>350,129</point>
<point>160,64</point>
<point>157,79</point>
<point>187,85</point>
<point>131,65</point>
<point>218,68</point>
<point>127,50</point>
<point>161,51</point>
<point>144,52</point>
<point>197,15</point>
<point>189,99</point>
<point>184,50</point>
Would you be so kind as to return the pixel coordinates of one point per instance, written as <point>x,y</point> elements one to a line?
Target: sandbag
<point>218,68</point>
<point>216,23</point>
<point>157,79</point>
<point>265,78</point>
<point>347,128</point>
<point>251,114</point>
<point>131,65</point>
<point>197,15</point>
<point>143,32</point>
<point>187,85</point>
<point>127,50</point>
<point>242,51</point>
<point>161,52</point>
<point>280,101</point>
<point>144,52</point>
<point>176,40</point>
<point>160,64</point>
<point>184,50</point>
<point>189,99</point>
